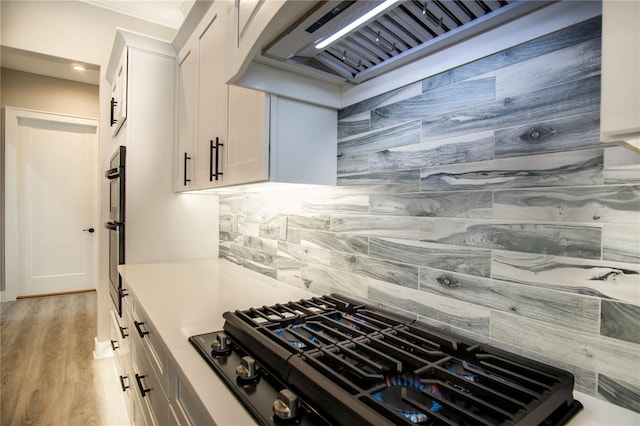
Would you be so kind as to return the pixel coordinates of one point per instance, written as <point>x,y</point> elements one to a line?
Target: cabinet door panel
<point>187,96</point>
<point>212,95</point>
<point>246,158</point>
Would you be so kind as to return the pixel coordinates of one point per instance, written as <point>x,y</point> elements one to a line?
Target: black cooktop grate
<point>359,364</point>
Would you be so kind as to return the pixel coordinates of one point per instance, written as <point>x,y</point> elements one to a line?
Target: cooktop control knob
<point>286,405</point>
<point>221,346</point>
<point>248,369</point>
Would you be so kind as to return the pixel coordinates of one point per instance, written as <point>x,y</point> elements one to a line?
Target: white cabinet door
<point>212,100</point>
<point>119,94</point>
<point>247,153</point>
<point>184,178</point>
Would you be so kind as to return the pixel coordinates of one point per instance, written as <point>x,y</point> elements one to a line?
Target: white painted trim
<point>12,115</point>
<point>539,23</point>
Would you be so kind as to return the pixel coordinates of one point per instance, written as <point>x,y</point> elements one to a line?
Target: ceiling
<point>169,13</point>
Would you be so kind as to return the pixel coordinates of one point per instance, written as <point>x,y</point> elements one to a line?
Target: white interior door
<point>55,203</point>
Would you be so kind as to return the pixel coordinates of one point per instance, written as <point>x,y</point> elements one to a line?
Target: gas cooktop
<point>335,361</point>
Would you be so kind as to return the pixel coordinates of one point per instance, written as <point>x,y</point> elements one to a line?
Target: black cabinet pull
<point>211,148</point>
<point>123,292</point>
<point>114,345</point>
<point>186,158</point>
<point>141,332</point>
<point>218,173</point>
<point>114,103</point>
<point>123,332</point>
<point>124,387</point>
<point>143,390</point>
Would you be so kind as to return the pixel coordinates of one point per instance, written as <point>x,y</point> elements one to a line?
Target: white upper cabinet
<point>229,135</point>
<point>118,102</point>
<point>186,110</point>
<point>620,103</point>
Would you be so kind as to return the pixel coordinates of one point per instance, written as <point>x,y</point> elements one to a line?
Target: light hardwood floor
<point>49,374</point>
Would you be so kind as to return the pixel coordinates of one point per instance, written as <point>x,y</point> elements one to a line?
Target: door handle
<point>89,230</point>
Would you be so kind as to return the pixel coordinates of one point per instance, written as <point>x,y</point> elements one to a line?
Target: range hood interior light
<point>78,67</point>
<point>357,23</point>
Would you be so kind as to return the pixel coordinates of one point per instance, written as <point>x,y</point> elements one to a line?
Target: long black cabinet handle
<point>141,332</point>
<point>113,107</point>
<point>211,148</point>
<point>186,158</point>
<point>124,387</point>
<point>114,345</point>
<point>143,390</point>
<point>218,173</point>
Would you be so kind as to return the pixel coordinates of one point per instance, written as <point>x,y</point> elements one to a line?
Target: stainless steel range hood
<point>404,32</point>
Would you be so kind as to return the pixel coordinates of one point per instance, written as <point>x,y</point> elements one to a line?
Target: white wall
<point>75,30</point>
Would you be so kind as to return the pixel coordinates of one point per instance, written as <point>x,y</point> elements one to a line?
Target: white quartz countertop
<point>187,298</point>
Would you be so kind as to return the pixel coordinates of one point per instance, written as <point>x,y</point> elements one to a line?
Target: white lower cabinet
<point>156,393</point>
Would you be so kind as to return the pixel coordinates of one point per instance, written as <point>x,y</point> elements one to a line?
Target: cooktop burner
<point>333,360</point>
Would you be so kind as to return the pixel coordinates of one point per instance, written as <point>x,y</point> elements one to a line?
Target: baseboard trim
<point>62,293</point>
<point>102,349</point>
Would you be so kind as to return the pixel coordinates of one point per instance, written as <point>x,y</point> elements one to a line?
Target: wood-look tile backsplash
<point>482,201</point>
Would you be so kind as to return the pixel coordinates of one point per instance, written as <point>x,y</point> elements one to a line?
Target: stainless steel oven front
<point>116,224</point>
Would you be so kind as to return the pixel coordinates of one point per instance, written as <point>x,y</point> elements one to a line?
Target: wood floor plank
<point>48,370</point>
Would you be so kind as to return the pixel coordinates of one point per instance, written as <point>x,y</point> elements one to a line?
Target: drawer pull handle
<point>114,345</point>
<point>123,332</point>
<point>143,390</point>
<point>124,387</point>
<point>141,332</point>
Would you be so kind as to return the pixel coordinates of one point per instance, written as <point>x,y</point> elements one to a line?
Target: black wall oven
<point>116,224</point>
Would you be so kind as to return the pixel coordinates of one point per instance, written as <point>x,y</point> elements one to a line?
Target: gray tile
<point>596,204</point>
<point>620,321</point>
<point>621,165</point>
<point>561,169</point>
<point>348,164</point>
<point>555,135</point>
<point>401,181</point>
<point>571,63</point>
<point>378,140</point>
<point>565,309</point>
<point>435,102</point>
<point>465,260</point>
<point>619,392</point>
<point>455,313</point>
<point>377,226</point>
<point>562,100</point>
<point>564,240</point>
<point>621,242</point>
<point>587,30</point>
<point>317,222</point>
<point>476,204</point>
<point>463,149</point>
<point>605,279</point>
<point>383,270</point>
<point>604,355</point>
<point>343,242</point>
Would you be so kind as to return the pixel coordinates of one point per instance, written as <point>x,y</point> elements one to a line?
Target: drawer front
<point>177,417</point>
<point>151,343</point>
<point>148,386</point>
<point>187,404</point>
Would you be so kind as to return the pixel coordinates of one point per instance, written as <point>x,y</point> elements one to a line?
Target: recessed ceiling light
<point>78,67</point>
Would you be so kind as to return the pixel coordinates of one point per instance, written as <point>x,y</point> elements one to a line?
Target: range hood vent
<point>406,31</point>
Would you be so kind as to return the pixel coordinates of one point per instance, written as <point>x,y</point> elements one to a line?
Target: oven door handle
<point>113,226</point>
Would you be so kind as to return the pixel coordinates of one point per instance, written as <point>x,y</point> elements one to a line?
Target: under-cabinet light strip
<point>355,24</point>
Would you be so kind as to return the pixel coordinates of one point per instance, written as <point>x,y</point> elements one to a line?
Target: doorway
<point>51,203</point>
